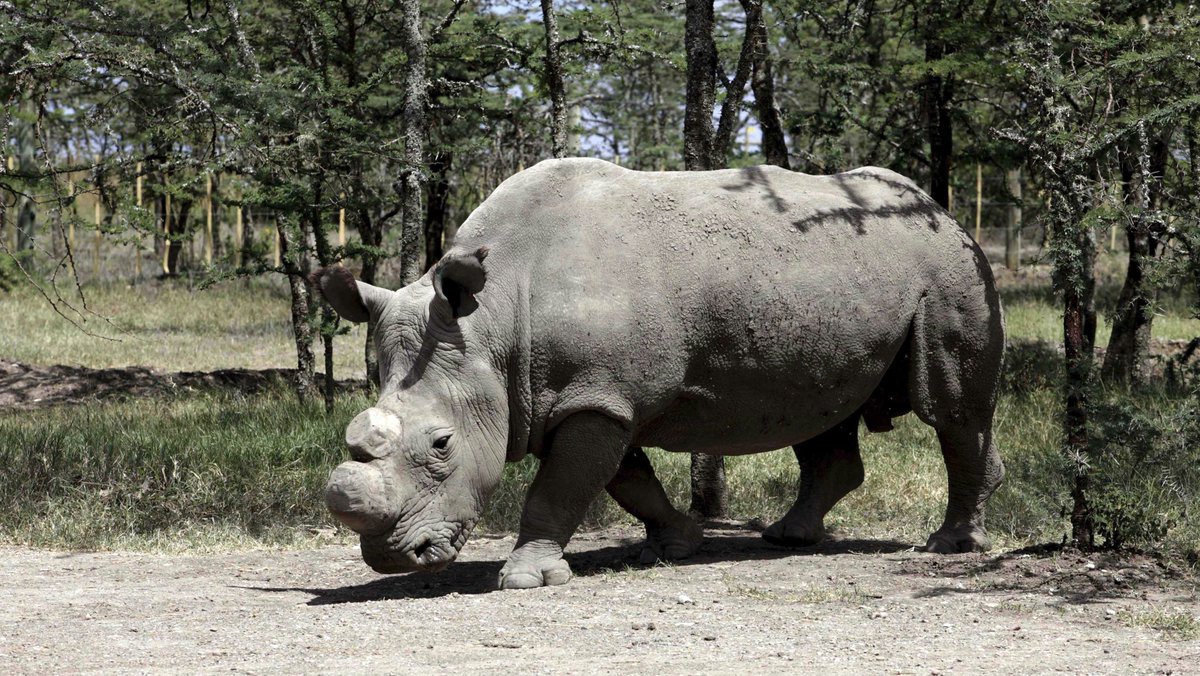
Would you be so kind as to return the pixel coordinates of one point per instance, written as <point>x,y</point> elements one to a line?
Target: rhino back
<point>750,307</point>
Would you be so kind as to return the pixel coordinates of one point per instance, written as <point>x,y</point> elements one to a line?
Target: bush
<point>1146,473</point>
<point>10,274</point>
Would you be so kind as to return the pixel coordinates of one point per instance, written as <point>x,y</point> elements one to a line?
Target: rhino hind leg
<point>957,347</point>
<point>830,467</point>
<point>584,454</point>
<point>974,471</point>
<point>671,535</point>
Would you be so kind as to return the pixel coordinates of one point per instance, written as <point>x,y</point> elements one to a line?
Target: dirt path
<point>741,606</point>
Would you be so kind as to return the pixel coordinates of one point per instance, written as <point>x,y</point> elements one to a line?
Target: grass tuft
<point>1178,626</point>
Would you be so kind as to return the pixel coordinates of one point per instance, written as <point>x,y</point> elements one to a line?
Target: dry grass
<point>168,326</point>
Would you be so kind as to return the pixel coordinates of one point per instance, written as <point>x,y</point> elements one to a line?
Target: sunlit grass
<point>193,471</point>
<point>167,326</point>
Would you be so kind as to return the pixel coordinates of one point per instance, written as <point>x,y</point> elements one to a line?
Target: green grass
<point>199,471</point>
<point>1178,626</point>
<point>216,470</point>
<point>1031,312</point>
<point>165,325</point>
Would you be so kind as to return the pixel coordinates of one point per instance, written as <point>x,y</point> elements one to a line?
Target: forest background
<point>207,155</point>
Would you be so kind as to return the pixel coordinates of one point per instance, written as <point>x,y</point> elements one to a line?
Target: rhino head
<point>427,456</point>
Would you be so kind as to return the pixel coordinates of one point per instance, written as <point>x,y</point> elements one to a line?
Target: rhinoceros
<point>586,311</point>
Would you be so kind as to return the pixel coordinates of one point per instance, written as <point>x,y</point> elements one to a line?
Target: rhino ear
<point>350,298</point>
<point>458,277</point>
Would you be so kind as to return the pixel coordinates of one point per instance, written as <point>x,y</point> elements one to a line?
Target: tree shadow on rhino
<point>477,577</point>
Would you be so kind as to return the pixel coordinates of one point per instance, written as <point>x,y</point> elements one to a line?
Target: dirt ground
<point>743,606</point>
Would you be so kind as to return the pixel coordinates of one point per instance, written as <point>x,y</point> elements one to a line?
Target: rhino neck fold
<point>516,361</point>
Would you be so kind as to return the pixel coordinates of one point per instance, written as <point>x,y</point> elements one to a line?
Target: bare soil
<point>740,606</point>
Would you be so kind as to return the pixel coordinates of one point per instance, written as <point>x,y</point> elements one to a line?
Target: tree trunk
<point>774,143</point>
<point>416,87</point>
<point>1075,277</point>
<point>1012,231</point>
<point>1133,317</point>
<point>328,317</point>
<point>1075,415</point>
<point>438,207</point>
<point>735,89</point>
<point>315,228</point>
<point>701,85</point>
<point>26,152</point>
<point>371,233</point>
<point>292,253</point>
<point>26,222</point>
<point>935,98</point>
<point>174,243</point>
<point>554,82</point>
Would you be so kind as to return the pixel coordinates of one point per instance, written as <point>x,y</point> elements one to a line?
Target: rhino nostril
<point>422,548</point>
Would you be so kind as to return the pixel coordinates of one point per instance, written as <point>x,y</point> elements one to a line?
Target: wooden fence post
<point>12,165</point>
<point>208,205</point>
<point>71,225</point>
<point>1012,233</point>
<point>237,238</point>
<point>342,222</point>
<point>137,245</point>
<point>166,259</point>
<point>96,240</point>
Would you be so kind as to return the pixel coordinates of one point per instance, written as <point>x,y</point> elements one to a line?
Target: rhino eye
<point>442,442</point>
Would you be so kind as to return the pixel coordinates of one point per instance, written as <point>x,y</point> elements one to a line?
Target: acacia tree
<point>1147,66</point>
<point>1070,60</point>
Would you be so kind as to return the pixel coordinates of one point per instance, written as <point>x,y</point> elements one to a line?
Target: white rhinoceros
<point>587,310</point>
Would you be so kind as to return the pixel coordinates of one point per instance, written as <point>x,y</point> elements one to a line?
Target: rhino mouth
<point>428,549</point>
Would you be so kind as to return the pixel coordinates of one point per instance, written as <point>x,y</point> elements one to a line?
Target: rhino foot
<point>794,533</point>
<point>672,543</point>
<point>533,566</point>
<point>957,540</point>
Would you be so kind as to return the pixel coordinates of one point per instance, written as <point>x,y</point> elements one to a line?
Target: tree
<point>553,75</point>
<point>413,121</point>
<point>1146,69</point>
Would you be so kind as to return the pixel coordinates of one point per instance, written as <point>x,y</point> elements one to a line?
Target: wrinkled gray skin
<point>586,311</point>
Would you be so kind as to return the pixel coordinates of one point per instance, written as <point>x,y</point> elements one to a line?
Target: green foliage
<point>1147,473</point>
<point>10,273</point>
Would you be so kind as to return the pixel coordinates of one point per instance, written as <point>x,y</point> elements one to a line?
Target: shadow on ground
<point>477,577</point>
<point>1071,576</point>
<point>26,386</point>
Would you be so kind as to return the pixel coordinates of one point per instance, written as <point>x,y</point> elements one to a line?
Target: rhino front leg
<point>670,534</point>
<point>584,455</point>
<point>830,467</point>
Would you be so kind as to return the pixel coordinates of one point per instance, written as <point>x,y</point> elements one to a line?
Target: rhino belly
<point>760,415</point>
